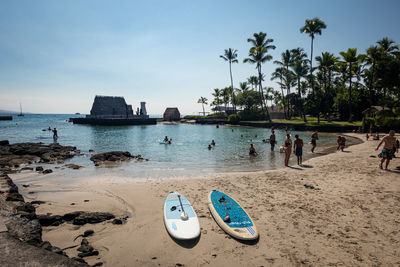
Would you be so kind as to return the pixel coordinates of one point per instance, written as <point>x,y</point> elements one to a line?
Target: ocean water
<point>186,156</point>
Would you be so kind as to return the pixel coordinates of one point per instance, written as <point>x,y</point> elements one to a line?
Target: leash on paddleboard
<point>184,215</point>
<point>227,217</point>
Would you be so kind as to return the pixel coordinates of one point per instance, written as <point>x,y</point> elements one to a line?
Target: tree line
<point>328,85</point>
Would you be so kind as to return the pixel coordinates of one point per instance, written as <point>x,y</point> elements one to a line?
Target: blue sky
<point>56,56</point>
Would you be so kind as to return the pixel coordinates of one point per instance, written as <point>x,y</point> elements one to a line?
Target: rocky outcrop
<point>114,156</point>
<point>76,217</point>
<point>14,155</point>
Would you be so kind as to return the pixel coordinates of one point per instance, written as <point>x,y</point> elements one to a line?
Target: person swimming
<point>166,139</point>
<point>209,147</point>
<point>213,142</point>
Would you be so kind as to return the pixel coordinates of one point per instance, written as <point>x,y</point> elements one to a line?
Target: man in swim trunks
<point>272,140</point>
<point>314,138</point>
<point>298,149</point>
<point>389,148</point>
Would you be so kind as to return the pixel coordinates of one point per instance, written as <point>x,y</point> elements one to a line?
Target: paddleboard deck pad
<point>177,225</point>
<point>231,217</point>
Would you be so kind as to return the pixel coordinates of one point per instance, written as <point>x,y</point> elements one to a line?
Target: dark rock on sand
<point>27,207</point>
<point>50,220</point>
<point>85,247</point>
<point>117,221</point>
<point>88,233</point>
<point>92,217</point>
<point>15,197</point>
<point>87,254</point>
<point>47,171</point>
<point>113,156</point>
<point>37,202</point>
<point>39,169</point>
<point>27,169</point>
<point>97,264</point>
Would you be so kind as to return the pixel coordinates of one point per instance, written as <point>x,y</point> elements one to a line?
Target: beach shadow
<point>295,168</point>
<point>306,166</point>
<point>248,242</point>
<point>190,243</point>
<point>393,171</point>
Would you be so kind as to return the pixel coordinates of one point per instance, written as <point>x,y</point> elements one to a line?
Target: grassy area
<point>313,121</point>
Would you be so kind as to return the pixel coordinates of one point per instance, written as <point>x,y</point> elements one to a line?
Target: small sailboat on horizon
<point>20,108</point>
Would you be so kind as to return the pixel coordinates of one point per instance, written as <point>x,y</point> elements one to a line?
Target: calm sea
<point>186,156</point>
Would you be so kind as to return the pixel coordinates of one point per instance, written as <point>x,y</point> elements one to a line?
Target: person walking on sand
<point>288,149</point>
<point>341,141</point>
<point>298,149</point>
<point>389,148</point>
<point>272,140</point>
<point>314,138</point>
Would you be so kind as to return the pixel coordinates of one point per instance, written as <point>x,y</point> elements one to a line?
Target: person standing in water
<point>55,134</point>
<point>272,140</point>
<point>298,149</point>
<point>252,150</point>
<point>314,138</point>
<point>213,142</point>
<point>288,149</point>
<point>389,148</point>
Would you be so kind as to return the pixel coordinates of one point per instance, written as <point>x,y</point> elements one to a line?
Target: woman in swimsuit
<point>252,150</point>
<point>288,149</point>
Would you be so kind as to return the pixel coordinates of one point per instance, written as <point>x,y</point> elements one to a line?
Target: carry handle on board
<point>184,215</point>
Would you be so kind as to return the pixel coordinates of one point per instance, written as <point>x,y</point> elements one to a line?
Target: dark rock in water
<point>91,150</point>
<point>79,260</point>
<point>47,171</point>
<point>4,143</point>
<point>25,185</point>
<point>37,202</point>
<point>92,217</point>
<point>73,166</point>
<point>39,169</point>
<point>117,221</point>
<point>87,254</point>
<point>27,169</point>
<point>112,156</point>
<point>48,220</point>
<point>29,231</point>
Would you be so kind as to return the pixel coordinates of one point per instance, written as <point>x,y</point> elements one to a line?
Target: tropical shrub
<point>233,118</point>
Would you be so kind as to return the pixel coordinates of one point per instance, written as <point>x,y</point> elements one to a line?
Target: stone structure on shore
<point>113,110</point>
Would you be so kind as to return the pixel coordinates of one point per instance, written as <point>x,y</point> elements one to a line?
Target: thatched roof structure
<point>172,114</point>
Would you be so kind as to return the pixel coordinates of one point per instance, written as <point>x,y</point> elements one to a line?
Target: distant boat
<point>20,113</point>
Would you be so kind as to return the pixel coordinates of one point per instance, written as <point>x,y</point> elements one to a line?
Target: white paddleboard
<point>178,225</point>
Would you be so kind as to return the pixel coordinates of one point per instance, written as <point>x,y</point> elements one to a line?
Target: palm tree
<point>202,101</point>
<point>258,54</point>
<point>230,56</point>
<point>374,54</point>
<point>351,59</point>
<point>278,74</point>
<point>312,27</point>
<point>327,64</point>
<point>253,80</point>
<point>300,69</point>
<point>388,45</point>
<point>243,86</point>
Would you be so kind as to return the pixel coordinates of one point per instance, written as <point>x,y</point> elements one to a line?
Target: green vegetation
<point>338,89</point>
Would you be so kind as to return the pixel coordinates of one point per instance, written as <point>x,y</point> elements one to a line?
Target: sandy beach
<point>350,218</point>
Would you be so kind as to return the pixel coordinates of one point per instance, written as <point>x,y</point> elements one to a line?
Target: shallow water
<point>186,156</point>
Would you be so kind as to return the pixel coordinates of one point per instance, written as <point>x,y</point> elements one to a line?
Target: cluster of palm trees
<point>339,86</point>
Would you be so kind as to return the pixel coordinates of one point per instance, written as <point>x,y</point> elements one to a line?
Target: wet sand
<point>351,218</point>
